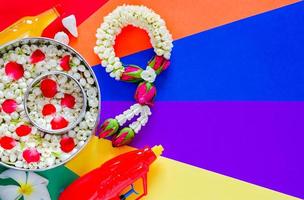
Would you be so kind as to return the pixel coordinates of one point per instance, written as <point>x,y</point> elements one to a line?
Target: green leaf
<point>56,154</point>
<point>15,121</point>
<point>22,145</point>
<point>38,139</point>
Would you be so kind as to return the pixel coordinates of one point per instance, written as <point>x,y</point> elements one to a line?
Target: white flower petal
<point>70,24</point>
<point>9,192</point>
<point>62,37</point>
<point>40,192</point>
<point>148,74</point>
<point>35,179</point>
<point>18,176</point>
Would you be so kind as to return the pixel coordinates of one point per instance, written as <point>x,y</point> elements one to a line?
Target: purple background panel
<point>258,142</point>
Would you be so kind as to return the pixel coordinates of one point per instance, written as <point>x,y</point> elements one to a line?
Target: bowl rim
<point>86,64</point>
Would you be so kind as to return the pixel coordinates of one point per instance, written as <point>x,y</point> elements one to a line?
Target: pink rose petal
<point>14,70</point>
<point>48,109</point>
<point>59,122</point>
<point>7,142</point>
<point>68,101</point>
<point>67,144</point>
<point>48,87</point>
<point>23,130</point>
<point>65,63</point>
<point>37,56</point>
<point>31,155</point>
<point>9,106</point>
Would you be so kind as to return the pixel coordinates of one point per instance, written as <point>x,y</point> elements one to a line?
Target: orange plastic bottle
<point>30,26</point>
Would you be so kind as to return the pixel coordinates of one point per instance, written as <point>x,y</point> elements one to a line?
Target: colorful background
<point>229,110</point>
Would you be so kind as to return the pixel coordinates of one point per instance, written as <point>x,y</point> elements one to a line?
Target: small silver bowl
<point>72,125</point>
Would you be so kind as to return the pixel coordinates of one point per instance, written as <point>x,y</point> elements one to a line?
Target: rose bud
<point>108,128</point>
<point>131,74</point>
<point>159,64</point>
<point>124,137</point>
<point>145,93</point>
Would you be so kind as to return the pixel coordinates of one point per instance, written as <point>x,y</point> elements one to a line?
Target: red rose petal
<point>7,142</point>
<point>48,109</point>
<point>31,155</point>
<point>68,101</point>
<point>23,130</point>
<point>37,56</point>
<point>65,63</point>
<point>9,105</point>
<point>59,123</point>
<point>48,87</point>
<point>14,70</point>
<point>67,144</point>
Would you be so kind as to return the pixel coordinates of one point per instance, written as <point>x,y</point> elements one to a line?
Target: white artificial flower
<point>21,59</point>
<point>146,110</point>
<point>5,79</point>
<point>19,164</point>
<point>90,81</point>
<point>136,126</point>
<point>143,119</point>
<point>50,51</point>
<point>149,74</point>
<point>81,143</point>
<point>109,68</point>
<point>81,68</point>
<point>91,125</point>
<point>91,92</point>
<point>12,157</point>
<point>82,81</point>
<point>76,75</point>
<point>4,159</point>
<point>121,119</point>
<point>31,186</point>
<point>14,115</point>
<point>76,61</point>
<point>129,114</point>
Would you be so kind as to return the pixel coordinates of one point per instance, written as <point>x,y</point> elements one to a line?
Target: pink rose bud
<point>108,128</point>
<point>131,74</point>
<point>159,64</point>
<point>125,136</point>
<point>145,93</point>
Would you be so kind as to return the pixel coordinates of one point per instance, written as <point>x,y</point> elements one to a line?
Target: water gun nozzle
<point>158,150</point>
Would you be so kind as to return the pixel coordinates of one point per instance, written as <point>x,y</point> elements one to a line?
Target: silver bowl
<point>72,125</point>
<point>83,61</point>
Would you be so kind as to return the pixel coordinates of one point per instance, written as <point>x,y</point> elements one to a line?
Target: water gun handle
<point>145,186</point>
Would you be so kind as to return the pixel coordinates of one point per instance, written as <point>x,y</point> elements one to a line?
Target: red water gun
<point>109,180</point>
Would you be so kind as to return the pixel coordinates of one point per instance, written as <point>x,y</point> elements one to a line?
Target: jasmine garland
<point>161,40</point>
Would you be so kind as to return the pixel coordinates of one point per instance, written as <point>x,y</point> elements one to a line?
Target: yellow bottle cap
<point>158,150</point>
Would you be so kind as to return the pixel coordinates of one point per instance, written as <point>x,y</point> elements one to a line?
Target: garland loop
<point>161,40</point>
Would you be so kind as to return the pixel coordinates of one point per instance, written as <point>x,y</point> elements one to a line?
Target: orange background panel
<point>183,18</point>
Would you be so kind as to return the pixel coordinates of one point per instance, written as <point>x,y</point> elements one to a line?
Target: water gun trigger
<point>127,194</point>
<point>134,191</point>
